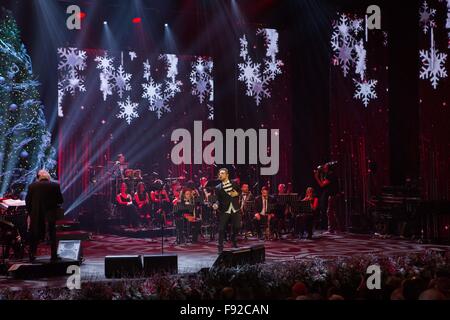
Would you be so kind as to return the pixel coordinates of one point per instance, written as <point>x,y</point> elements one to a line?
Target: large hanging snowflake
<point>105,64</point>
<point>447,25</point>
<point>433,64</point>
<point>127,110</point>
<point>365,90</point>
<point>272,66</point>
<point>259,90</point>
<point>344,39</point>
<point>151,91</point>
<point>122,81</point>
<point>158,94</point>
<point>257,81</point>
<point>426,17</point>
<point>71,62</point>
<point>201,78</point>
<point>110,78</point>
<point>360,59</point>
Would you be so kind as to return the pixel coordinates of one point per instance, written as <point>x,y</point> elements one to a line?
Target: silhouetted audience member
<point>431,294</point>
<point>412,288</point>
<point>397,294</point>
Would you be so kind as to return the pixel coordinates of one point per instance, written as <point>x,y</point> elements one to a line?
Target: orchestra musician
<point>283,213</point>
<point>227,193</point>
<point>264,207</point>
<point>206,195</point>
<point>126,206</point>
<point>142,201</point>
<point>184,212</point>
<point>122,165</point>
<point>245,198</point>
<point>160,200</point>
<point>306,221</point>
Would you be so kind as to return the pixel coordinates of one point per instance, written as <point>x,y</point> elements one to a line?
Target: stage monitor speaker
<point>234,258</point>
<point>69,249</point>
<point>160,263</point>
<point>258,253</point>
<point>126,266</point>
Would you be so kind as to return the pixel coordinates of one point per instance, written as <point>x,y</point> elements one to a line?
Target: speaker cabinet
<point>126,266</point>
<point>258,253</point>
<point>160,263</point>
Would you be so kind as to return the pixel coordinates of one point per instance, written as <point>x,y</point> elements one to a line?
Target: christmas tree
<point>25,142</point>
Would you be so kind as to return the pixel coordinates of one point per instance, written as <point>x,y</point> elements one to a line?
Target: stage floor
<point>193,257</point>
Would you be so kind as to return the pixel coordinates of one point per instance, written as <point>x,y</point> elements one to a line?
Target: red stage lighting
<point>82,15</point>
<point>136,20</point>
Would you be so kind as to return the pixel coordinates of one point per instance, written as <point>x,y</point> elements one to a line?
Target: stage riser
<point>40,270</point>
<point>142,234</point>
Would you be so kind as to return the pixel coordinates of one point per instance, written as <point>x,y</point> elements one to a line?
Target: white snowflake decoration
<point>259,90</point>
<point>157,94</point>
<point>110,78</point>
<point>105,64</point>
<point>128,110</point>
<point>257,81</point>
<point>71,62</point>
<point>360,59</point>
<point>365,90</point>
<point>344,39</point>
<point>152,91</point>
<point>132,55</point>
<point>426,17</point>
<point>122,81</point>
<point>147,70</point>
<point>201,78</point>
<point>447,25</point>
<point>433,64</point>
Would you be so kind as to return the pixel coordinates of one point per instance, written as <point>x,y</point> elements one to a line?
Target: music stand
<point>302,207</point>
<point>178,210</point>
<point>288,198</point>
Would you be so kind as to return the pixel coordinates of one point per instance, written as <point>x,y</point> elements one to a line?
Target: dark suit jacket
<point>225,199</point>
<point>271,203</point>
<point>42,200</point>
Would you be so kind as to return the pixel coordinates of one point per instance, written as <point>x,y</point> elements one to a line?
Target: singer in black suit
<point>228,206</point>
<point>43,202</point>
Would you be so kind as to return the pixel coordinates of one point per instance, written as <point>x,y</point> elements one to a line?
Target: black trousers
<point>224,219</point>
<point>305,224</point>
<point>34,240</point>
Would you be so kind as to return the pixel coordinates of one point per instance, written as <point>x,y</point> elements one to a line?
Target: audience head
<point>265,192</point>
<point>43,175</point>
<point>412,288</point>
<point>299,289</point>
<point>431,294</point>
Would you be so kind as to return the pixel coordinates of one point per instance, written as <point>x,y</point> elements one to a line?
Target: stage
<point>193,257</point>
